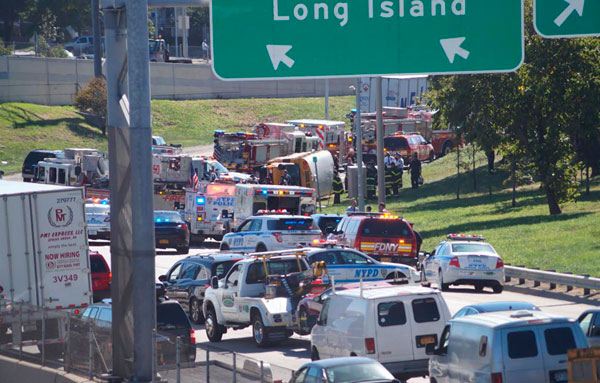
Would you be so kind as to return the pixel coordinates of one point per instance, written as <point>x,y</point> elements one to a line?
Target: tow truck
<point>263,292</point>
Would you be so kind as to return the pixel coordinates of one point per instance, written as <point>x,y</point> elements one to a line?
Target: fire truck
<point>245,152</point>
<point>332,135</point>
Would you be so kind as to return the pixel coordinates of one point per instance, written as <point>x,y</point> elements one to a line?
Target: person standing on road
<point>353,206</point>
<point>204,50</point>
<point>415,171</point>
<point>400,167</point>
<point>396,178</point>
<point>338,188</point>
<point>371,180</point>
<point>389,179</point>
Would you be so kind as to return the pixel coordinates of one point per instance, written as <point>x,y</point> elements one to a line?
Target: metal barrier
<point>553,278</point>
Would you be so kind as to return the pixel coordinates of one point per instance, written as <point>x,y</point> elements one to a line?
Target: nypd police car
<point>347,265</point>
<point>272,230</point>
<point>464,260</point>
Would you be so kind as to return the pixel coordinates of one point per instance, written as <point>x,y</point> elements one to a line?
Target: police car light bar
<point>267,211</point>
<point>466,237</point>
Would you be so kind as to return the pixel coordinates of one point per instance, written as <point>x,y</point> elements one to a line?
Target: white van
<point>505,347</point>
<point>391,324</point>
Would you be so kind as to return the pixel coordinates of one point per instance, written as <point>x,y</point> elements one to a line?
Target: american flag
<point>194,181</point>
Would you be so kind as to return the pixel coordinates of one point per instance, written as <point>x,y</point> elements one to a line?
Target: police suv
<point>465,260</point>
<point>272,230</point>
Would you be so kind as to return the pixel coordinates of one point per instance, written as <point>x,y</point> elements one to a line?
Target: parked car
<point>408,144</point>
<point>171,322</point>
<point>507,346</point>
<point>171,231</point>
<point>464,260</point>
<point>188,279</point>
<point>82,45</point>
<point>32,159</point>
<point>489,307</point>
<point>101,276</point>
<point>590,324</point>
<point>325,221</point>
<point>343,370</point>
<point>97,218</point>
<point>390,324</point>
<point>384,237</point>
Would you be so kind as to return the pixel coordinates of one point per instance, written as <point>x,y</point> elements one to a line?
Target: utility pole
<point>185,31</point>
<point>359,153</point>
<point>97,39</point>
<point>379,134</point>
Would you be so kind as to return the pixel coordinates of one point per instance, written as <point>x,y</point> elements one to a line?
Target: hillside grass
<point>24,127</point>
<point>523,235</point>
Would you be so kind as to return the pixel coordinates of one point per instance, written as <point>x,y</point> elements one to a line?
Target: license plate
<point>163,241</point>
<point>489,273</point>
<point>386,259</point>
<point>561,377</point>
<point>92,232</point>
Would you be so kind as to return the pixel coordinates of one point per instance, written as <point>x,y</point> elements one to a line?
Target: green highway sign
<point>277,39</point>
<point>567,18</point>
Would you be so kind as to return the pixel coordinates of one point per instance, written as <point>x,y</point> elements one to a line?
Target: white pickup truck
<point>263,292</point>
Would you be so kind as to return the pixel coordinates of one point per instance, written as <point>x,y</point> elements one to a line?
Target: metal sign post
<point>379,137</point>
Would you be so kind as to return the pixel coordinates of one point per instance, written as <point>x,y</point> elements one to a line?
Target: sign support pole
<point>327,99</point>
<point>359,153</point>
<point>379,134</point>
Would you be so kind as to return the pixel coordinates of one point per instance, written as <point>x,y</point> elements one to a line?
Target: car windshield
<point>170,316</point>
<point>218,167</point>
<point>472,248</point>
<point>363,372</point>
<point>152,46</point>
<point>97,265</point>
<point>325,222</point>
<point>395,143</point>
<point>385,228</point>
<point>167,216</point>
<point>290,224</point>
<point>220,269</point>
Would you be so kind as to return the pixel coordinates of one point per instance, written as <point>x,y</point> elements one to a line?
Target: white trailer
<point>397,91</point>
<point>44,263</point>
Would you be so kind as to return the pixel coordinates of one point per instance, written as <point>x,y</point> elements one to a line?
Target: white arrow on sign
<point>574,5</point>
<point>277,53</point>
<point>452,48</point>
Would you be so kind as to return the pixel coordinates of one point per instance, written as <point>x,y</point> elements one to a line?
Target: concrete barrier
<point>52,81</point>
<point>13,370</point>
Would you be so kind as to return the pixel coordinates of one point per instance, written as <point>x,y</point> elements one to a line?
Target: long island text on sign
<point>567,18</point>
<point>270,39</point>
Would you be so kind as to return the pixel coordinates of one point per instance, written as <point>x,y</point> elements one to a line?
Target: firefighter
<point>400,169</point>
<point>338,188</point>
<point>396,178</point>
<point>371,180</point>
<point>389,179</point>
<point>415,171</point>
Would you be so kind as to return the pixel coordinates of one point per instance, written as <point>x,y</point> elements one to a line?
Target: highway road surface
<point>296,351</point>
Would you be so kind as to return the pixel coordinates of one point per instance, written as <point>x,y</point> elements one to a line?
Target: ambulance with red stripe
<point>385,237</point>
<point>332,135</point>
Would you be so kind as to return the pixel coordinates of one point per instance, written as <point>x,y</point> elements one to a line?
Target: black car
<point>32,159</point>
<point>171,322</point>
<point>171,231</point>
<point>188,278</point>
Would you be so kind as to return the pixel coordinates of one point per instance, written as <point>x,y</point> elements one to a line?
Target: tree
<point>49,34</point>
<point>199,23</point>
<point>73,13</point>
<point>10,11</point>
<point>92,100</point>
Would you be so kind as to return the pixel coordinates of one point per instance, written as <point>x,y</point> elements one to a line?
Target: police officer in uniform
<point>338,188</point>
<point>371,180</point>
<point>415,171</point>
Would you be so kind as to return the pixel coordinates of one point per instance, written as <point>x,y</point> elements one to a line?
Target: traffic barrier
<point>552,278</point>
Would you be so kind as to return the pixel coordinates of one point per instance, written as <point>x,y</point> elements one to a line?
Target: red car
<point>101,276</point>
<point>408,144</point>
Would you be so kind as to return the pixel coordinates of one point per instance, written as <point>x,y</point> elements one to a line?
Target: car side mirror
<point>162,278</point>
<point>214,282</point>
<point>430,349</point>
<point>317,299</point>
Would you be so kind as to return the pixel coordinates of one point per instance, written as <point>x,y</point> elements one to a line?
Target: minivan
<point>384,237</point>
<point>505,347</point>
<point>391,324</point>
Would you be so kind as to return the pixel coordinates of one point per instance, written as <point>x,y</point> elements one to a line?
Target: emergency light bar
<point>267,211</point>
<point>282,192</point>
<point>97,201</point>
<point>466,237</point>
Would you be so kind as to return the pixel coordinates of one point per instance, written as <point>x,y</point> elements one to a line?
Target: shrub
<point>5,50</point>
<point>92,100</point>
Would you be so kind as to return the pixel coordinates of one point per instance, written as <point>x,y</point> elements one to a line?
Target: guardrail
<point>553,278</point>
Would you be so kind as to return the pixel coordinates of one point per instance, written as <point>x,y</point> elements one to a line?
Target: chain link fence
<point>76,344</point>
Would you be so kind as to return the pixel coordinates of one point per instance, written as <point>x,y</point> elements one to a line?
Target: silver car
<point>464,260</point>
<point>97,217</point>
<point>590,324</point>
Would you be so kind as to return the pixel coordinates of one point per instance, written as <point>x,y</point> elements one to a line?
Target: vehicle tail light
<point>110,277</point>
<point>370,345</point>
<point>497,377</point>
<point>454,262</point>
<point>278,237</point>
<point>499,263</point>
<point>192,336</point>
